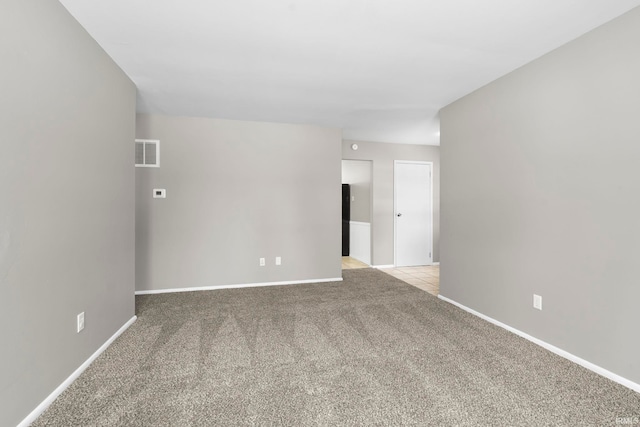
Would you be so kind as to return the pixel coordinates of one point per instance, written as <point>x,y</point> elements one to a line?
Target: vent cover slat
<point>139,153</point>
<point>150,149</point>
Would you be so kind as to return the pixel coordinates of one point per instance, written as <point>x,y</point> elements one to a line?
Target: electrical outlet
<point>537,301</point>
<point>262,262</point>
<point>278,260</point>
<point>80,323</point>
<point>159,193</point>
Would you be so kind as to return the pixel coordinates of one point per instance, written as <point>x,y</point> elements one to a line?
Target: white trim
<point>575,359</point>
<point>393,266</point>
<point>395,218</point>
<point>360,241</point>
<point>66,383</point>
<point>244,285</point>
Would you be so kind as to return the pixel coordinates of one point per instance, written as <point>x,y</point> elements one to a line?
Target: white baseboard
<point>66,383</point>
<point>393,266</point>
<point>575,359</point>
<point>244,285</point>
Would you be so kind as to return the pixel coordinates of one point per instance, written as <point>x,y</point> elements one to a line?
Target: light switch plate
<point>537,301</point>
<point>80,322</point>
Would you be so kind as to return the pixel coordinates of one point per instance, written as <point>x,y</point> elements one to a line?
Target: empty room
<point>319,213</point>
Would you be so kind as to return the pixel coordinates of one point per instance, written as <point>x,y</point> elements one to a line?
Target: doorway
<point>357,174</point>
<point>413,213</point>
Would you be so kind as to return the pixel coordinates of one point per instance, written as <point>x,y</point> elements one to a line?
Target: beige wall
<point>67,122</point>
<point>357,173</point>
<point>382,156</point>
<point>237,191</point>
<point>540,185</point>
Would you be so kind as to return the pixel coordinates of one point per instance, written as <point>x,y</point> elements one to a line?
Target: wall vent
<point>147,153</point>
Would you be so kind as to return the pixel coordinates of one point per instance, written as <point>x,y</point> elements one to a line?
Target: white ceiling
<point>379,69</point>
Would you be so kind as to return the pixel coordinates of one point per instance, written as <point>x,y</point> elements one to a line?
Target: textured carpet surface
<point>371,350</point>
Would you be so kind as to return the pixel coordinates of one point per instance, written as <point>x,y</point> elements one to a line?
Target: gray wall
<point>67,123</point>
<point>237,191</point>
<point>540,194</point>
<point>382,156</point>
<point>357,173</point>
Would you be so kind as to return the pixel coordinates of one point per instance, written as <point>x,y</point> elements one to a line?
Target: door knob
<point>399,214</point>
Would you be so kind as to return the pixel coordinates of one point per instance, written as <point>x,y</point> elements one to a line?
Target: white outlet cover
<point>159,193</point>
<point>262,262</point>
<point>80,322</point>
<point>537,301</point>
<point>278,260</point>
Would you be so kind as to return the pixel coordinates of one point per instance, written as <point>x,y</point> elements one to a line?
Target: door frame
<point>395,207</point>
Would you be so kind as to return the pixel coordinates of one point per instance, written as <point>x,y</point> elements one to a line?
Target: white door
<point>413,213</point>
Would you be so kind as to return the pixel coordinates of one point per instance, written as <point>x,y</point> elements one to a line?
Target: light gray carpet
<point>371,350</point>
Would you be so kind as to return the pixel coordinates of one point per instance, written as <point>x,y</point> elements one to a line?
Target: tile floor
<point>425,277</point>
